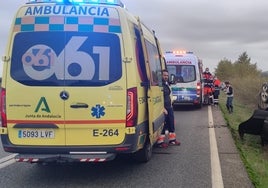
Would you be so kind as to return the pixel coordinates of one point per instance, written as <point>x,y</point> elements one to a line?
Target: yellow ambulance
<point>81,83</point>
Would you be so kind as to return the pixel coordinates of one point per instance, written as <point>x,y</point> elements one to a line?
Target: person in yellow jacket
<point>169,115</point>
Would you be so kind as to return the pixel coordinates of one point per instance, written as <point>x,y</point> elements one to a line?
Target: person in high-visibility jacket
<point>208,84</point>
<point>169,115</point>
<point>216,90</point>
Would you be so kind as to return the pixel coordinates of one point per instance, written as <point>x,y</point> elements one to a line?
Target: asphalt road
<point>189,165</point>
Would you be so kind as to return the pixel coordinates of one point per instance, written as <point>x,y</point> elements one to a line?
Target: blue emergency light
<point>111,2</point>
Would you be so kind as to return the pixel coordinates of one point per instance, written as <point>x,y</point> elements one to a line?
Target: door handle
<point>79,105</point>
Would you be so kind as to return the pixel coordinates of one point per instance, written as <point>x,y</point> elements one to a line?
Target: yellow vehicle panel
<point>33,118</point>
<point>96,119</point>
<point>95,136</point>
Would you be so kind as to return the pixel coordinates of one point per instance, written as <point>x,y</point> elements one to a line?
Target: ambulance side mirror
<point>172,79</point>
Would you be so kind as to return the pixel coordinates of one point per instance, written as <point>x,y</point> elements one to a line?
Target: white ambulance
<point>81,83</point>
<point>186,70</point>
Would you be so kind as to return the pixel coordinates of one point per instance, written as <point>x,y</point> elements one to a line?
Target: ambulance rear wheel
<point>200,105</point>
<point>145,154</point>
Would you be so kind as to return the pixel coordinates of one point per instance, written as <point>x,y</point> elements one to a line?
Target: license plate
<point>187,98</point>
<point>36,133</point>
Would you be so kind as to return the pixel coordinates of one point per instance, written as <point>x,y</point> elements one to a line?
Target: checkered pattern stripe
<point>70,23</point>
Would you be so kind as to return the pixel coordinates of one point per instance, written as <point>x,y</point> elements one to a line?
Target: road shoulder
<point>233,171</point>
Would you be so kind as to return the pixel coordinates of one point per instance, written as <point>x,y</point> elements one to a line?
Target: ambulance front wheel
<point>145,154</point>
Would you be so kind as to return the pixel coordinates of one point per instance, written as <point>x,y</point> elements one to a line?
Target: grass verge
<point>253,155</point>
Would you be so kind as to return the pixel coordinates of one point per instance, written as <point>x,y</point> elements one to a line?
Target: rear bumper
<point>193,101</point>
<point>23,149</point>
<point>83,153</point>
<point>46,154</point>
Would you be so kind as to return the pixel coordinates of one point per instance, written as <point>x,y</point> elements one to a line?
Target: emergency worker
<point>169,125</point>
<point>208,84</point>
<point>216,91</point>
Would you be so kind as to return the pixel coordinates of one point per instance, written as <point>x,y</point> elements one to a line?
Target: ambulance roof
<point>108,2</point>
<point>180,57</point>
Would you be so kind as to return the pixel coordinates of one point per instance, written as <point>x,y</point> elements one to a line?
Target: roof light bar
<point>112,2</point>
<point>179,52</point>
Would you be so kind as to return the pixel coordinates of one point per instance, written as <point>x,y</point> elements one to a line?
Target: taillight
<point>3,108</point>
<point>198,88</point>
<point>132,107</point>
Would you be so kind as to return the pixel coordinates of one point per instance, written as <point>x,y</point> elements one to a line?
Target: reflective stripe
<point>27,160</point>
<point>62,23</point>
<point>92,160</point>
<point>216,100</point>
<point>172,136</point>
<point>161,139</point>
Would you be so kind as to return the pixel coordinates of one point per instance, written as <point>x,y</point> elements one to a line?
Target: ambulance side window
<point>155,63</point>
<point>140,55</point>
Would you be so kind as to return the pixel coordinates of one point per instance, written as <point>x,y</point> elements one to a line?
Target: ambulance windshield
<point>183,73</point>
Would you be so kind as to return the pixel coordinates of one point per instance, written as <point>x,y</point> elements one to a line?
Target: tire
<point>201,102</point>
<point>145,154</point>
<point>200,105</point>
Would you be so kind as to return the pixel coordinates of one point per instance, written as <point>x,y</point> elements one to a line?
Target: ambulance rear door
<point>94,78</point>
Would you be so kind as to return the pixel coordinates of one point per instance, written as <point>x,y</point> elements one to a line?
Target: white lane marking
<point>216,176</point>
<point>8,160</point>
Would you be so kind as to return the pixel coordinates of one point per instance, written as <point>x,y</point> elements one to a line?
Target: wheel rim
<point>262,104</point>
<point>265,87</point>
<point>264,96</point>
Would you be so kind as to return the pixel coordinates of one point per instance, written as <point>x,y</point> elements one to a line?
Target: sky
<point>213,29</point>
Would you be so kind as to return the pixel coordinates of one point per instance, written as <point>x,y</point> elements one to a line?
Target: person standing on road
<point>169,115</point>
<point>216,91</point>
<point>208,85</point>
<point>230,96</point>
